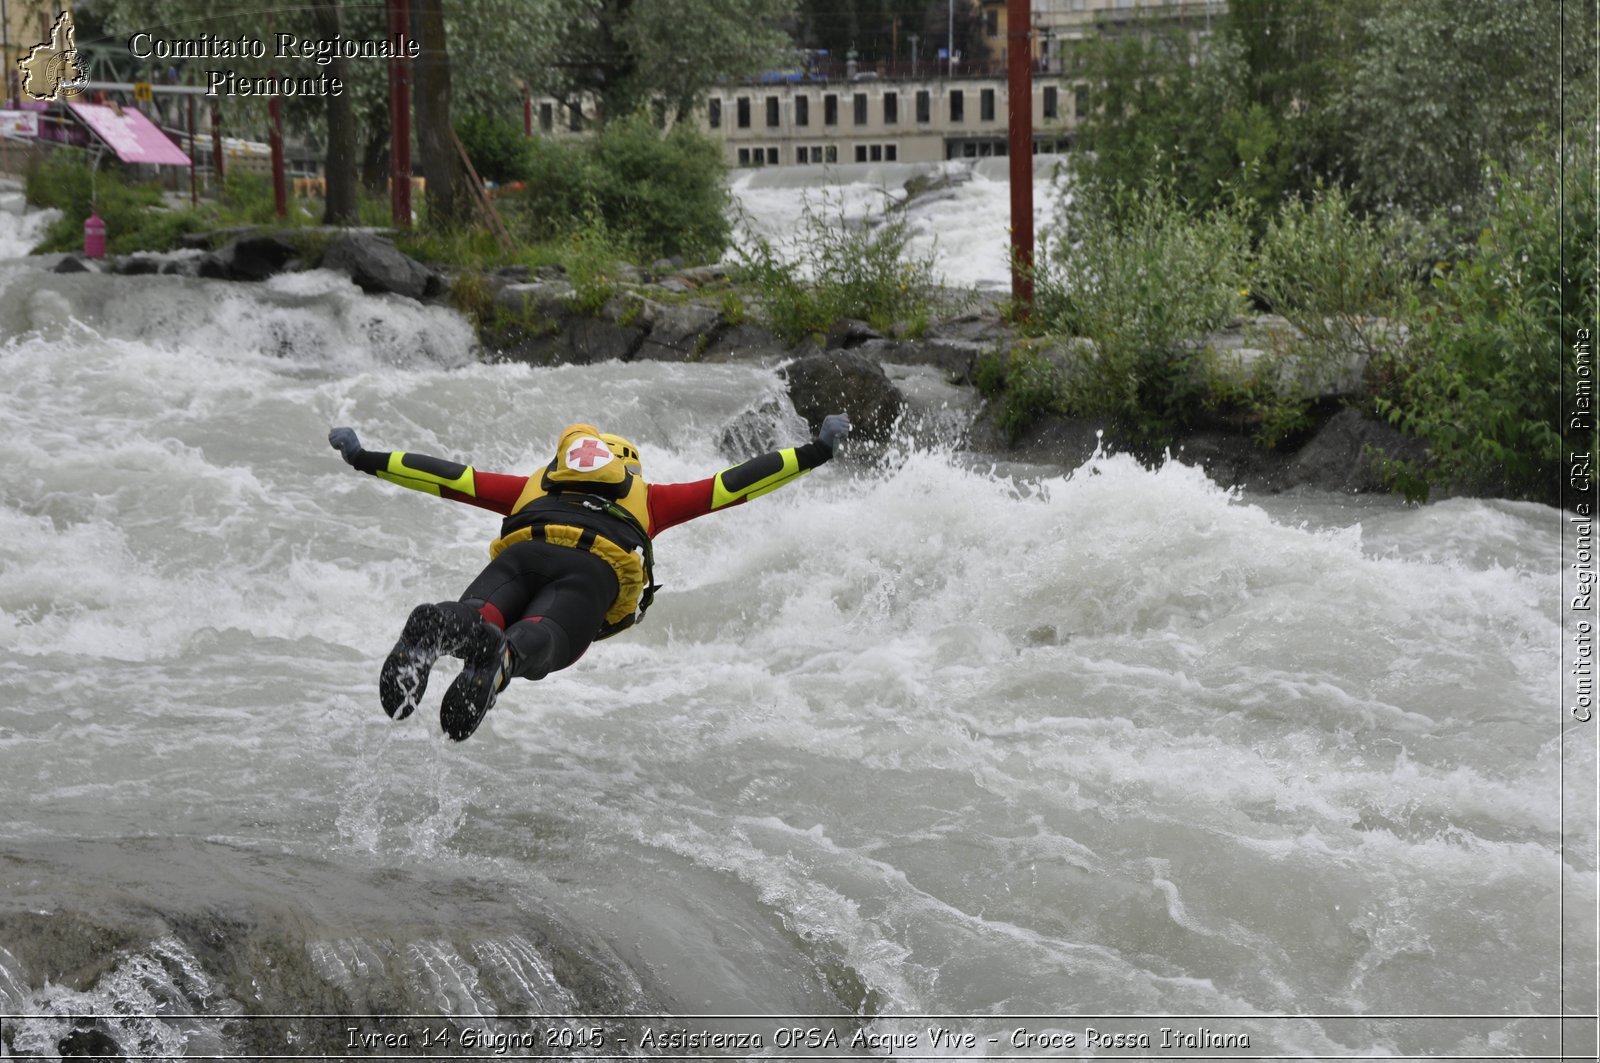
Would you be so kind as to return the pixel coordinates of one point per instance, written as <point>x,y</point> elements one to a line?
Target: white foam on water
<point>909,735</point>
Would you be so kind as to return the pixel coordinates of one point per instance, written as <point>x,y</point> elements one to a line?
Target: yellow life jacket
<point>592,496</point>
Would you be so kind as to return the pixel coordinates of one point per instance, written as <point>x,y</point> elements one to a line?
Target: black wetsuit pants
<point>551,600</point>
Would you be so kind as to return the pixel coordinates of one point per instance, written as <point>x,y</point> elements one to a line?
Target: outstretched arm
<point>675,503</point>
<point>430,475</point>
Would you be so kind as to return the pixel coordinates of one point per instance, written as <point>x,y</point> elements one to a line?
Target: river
<point>910,755</point>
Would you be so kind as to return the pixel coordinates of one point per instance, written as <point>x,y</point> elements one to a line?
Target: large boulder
<point>764,428</point>
<point>378,266</point>
<point>847,332</point>
<point>848,382</point>
<point>678,332</point>
<point>955,357</point>
<point>1347,454</point>
<point>258,256</point>
<point>746,342</point>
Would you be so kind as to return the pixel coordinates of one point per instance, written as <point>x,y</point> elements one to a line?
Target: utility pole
<point>5,50</point>
<point>950,49</point>
<point>1019,88</point>
<point>399,117</point>
<point>280,189</point>
<point>915,37</point>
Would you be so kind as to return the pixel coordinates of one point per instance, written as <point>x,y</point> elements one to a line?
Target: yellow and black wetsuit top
<point>593,496</point>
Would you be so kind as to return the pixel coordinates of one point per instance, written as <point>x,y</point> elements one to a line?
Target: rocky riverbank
<point>889,384</point>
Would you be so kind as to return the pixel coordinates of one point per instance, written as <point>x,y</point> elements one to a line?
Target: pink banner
<point>130,134</point>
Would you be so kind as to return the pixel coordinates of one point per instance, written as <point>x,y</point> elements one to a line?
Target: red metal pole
<point>194,163</point>
<point>399,116</point>
<point>216,145</point>
<point>280,189</point>
<point>1019,86</point>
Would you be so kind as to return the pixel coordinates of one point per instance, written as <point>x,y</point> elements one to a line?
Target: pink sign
<point>130,134</point>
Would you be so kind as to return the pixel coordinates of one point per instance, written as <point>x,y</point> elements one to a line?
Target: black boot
<point>430,631</point>
<point>489,667</point>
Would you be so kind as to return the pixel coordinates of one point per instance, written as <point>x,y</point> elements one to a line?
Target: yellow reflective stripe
<point>400,473</point>
<point>721,496</point>
<point>411,482</point>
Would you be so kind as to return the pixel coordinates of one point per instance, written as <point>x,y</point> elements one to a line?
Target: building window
<point>802,156</point>
<point>889,153</point>
<point>575,117</point>
<point>802,110</point>
<point>547,117</point>
<point>830,153</point>
<point>924,106</point>
<point>772,112</point>
<point>830,109</point>
<point>861,153</point>
<point>877,153</point>
<point>991,22</point>
<point>860,108</point>
<point>772,156</point>
<point>744,112</point>
<point>744,156</point>
<point>714,112</point>
<point>1080,101</point>
<point>891,108</point>
<point>986,105</point>
<point>958,106</point>
<point>1051,107</point>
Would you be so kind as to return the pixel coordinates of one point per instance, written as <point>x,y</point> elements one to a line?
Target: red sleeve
<point>497,491</point>
<point>675,503</point>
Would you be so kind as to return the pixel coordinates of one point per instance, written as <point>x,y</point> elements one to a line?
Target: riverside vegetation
<point>1445,309</point>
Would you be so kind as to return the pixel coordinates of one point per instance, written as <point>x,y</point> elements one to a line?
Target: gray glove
<point>345,442</point>
<point>835,427</point>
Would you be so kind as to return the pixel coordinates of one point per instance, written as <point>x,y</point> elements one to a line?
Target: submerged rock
<point>1347,454</point>
<point>257,256</point>
<point>847,381</point>
<point>378,266</point>
<point>90,1043</point>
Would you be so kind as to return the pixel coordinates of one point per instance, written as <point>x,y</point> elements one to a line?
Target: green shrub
<point>136,215</point>
<point>498,149</point>
<point>1141,277</point>
<point>1481,379</point>
<point>1341,280</point>
<point>1022,384</point>
<point>592,257</point>
<point>667,194</point>
<point>832,269</point>
<point>663,195</point>
<point>1336,276</point>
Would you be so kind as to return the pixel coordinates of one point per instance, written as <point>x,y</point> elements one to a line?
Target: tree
<point>1443,84</point>
<point>330,116</point>
<point>1167,112</point>
<point>628,53</point>
<point>441,168</point>
<point>1296,55</point>
<point>869,26</point>
<point>339,206</point>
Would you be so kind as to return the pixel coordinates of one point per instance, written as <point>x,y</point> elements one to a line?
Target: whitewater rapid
<point>907,744</point>
<point>958,220</point>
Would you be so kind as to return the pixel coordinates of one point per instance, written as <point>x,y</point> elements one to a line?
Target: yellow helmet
<point>587,455</point>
